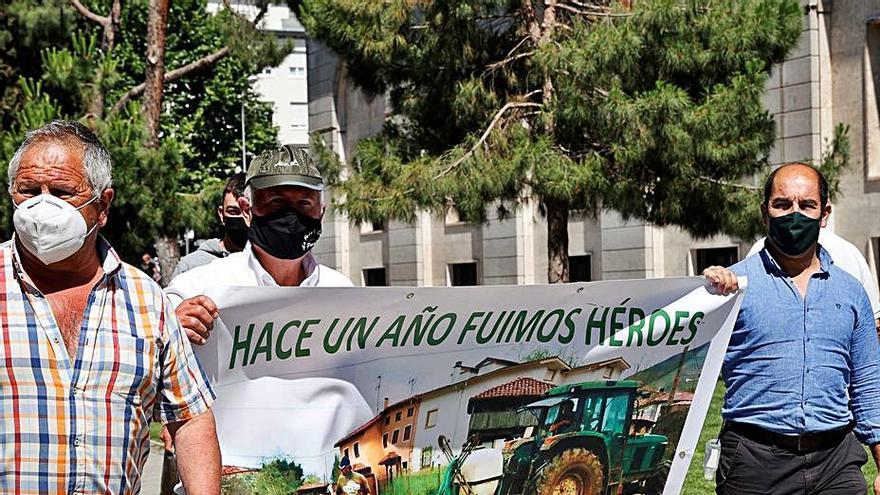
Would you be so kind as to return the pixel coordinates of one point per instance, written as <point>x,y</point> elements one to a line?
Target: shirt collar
<point>772,266</point>
<point>310,265</point>
<point>110,261</point>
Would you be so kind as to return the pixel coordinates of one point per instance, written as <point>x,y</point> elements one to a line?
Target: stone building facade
<point>831,76</point>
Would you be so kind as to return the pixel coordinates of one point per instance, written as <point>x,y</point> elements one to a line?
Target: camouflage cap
<point>287,166</point>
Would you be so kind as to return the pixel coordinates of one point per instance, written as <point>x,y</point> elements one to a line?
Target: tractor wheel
<point>655,483</point>
<point>573,472</point>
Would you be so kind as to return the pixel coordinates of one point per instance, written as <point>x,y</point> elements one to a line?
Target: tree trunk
<point>557,242</point>
<point>157,23</point>
<point>168,251</point>
<point>108,42</point>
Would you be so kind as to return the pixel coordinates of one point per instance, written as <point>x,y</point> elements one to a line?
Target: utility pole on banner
<point>378,391</point>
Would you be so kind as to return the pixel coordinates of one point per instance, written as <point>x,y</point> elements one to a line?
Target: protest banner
<point>616,376</point>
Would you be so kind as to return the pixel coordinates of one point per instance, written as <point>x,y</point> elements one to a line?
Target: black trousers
<point>749,467</point>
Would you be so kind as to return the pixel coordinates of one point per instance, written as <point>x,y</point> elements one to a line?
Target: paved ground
<point>152,477</point>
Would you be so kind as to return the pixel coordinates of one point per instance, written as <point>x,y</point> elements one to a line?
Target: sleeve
<point>870,284</point>
<point>184,389</point>
<point>865,374</point>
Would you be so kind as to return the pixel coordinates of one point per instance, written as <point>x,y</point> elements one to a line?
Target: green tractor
<point>582,445</point>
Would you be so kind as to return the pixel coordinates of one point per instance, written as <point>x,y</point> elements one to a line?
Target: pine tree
<point>94,71</point>
<point>651,107</point>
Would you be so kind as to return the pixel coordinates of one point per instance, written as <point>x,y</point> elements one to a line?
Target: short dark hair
<point>235,185</point>
<point>823,183</point>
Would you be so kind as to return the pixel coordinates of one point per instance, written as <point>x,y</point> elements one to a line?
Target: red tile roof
<point>521,387</point>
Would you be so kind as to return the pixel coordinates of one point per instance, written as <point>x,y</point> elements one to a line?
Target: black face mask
<point>794,233</point>
<point>236,230</point>
<point>285,234</point>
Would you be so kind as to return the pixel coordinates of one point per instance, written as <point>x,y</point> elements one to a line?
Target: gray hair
<point>97,162</point>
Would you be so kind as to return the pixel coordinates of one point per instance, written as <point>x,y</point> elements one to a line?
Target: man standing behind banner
<point>235,227</point>
<point>848,257</point>
<point>91,350</point>
<point>802,368</point>
<point>283,196</point>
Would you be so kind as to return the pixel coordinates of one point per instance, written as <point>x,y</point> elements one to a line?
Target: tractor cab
<point>581,443</point>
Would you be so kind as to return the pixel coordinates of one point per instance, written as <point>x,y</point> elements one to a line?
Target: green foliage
<point>163,191</point>
<point>654,112</point>
<point>278,477</point>
<point>423,482</point>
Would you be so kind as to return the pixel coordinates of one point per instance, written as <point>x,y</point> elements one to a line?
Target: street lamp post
<point>251,80</point>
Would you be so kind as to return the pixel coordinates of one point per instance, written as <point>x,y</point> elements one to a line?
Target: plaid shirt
<point>82,426</point>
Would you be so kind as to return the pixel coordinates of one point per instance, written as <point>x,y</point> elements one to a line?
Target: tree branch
<point>496,65</point>
<point>173,75</point>
<point>728,184</point>
<point>199,64</point>
<point>495,120</point>
<point>88,14</point>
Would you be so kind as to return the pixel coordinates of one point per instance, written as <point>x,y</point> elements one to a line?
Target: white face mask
<point>50,228</point>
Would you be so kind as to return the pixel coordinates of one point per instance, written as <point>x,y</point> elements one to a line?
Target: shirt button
<point>76,441</point>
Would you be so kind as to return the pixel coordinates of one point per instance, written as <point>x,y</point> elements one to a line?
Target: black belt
<point>796,443</point>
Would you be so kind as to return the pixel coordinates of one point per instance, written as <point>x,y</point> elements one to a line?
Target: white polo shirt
<point>846,256</point>
<point>326,409</point>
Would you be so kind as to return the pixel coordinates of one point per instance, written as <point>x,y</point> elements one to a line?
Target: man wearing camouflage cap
<point>283,196</point>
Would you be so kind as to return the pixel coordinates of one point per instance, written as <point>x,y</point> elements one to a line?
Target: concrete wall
<point>827,78</point>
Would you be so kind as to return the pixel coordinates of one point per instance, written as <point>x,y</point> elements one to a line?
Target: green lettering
<point>241,345</point>
<point>304,333</point>
<point>692,326</point>
<point>616,325</point>
<point>652,327</point>
<point>432,340</point>
<point>282,353</point>
<point>523,329</point>
<point>392,333</point>
<point>332,348</point>
<point>264,343</point>
<point>636,322</point>
<point>677,326</point>
<point>569,324</point>
<point>469,325</point>
<point>544,337</point>
<point>596,324</point>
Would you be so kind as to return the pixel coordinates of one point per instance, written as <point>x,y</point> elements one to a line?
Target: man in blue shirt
<point>803,366</point>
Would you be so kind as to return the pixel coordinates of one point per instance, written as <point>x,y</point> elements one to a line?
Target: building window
<point>395,436</point>
<point>375,277</point>
<point>462,274</point>
<point>357,450</point>
<point>607,373</point>
<point>385,440</point>
<point>404,465</point>
<point>409,412</point>
<point>872,98</point>
<point>549,375</point>
<point>398,416</point>
<point>267,70</point>
<point>407,432</point>
<point>427,457</point>
<point>715,257</point>
<point>431,419</point>
<point>297,71</point>
<point>580,268</point>
<point>299,115</point>
<point>387,420</point>
<point>345,453</point>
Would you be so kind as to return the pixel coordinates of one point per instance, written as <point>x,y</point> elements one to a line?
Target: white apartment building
<point>284,86</point>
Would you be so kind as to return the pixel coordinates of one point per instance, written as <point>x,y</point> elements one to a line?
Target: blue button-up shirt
<point>803,364</point>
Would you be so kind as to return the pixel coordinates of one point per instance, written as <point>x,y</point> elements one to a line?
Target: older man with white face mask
<point>91,350</point>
